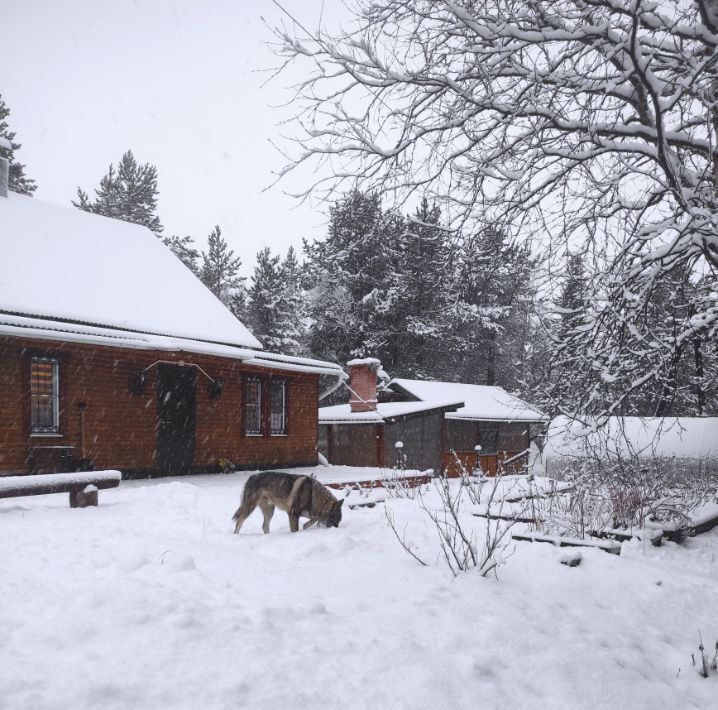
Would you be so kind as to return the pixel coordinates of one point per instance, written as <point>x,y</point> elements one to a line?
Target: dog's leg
<point>268,511</point>
<point>309,524</point>
<point>293,522</point>
<point>243,512</point>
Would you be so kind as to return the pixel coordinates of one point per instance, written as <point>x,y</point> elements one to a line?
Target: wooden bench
<point>81,486</point>
<point>610,546</point>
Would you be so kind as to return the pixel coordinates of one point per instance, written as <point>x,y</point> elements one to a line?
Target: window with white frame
<point>44,395</point>
<point>253,407</point>
<point>278,408</point>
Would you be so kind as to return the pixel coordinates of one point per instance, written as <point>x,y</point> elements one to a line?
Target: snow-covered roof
<point>65,264</point>
<point>684,437</point>
<point>342,414</point>
<point>47,329</point>
<point>481,402</point>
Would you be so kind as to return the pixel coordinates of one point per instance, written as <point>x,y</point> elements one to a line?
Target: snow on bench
<point>606,545</point>
<point>82,486</point>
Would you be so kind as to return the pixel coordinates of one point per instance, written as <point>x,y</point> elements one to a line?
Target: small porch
<point>493,446</point>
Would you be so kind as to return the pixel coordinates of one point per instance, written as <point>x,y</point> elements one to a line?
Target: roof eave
<point>132,340</point>
<point>504,420</point>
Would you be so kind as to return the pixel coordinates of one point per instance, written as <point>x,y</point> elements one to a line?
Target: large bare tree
<point>590,124</point>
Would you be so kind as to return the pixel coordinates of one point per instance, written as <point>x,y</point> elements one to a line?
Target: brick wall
<point>120,427</point>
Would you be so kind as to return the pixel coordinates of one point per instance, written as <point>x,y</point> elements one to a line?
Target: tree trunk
<point>700,391</point>
<point>491,361</point>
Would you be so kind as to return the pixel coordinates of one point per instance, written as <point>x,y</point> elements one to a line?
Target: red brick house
<point>439,424</point>
<point>114,355</point>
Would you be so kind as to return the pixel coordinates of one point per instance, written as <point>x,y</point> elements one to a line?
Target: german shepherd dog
<point>298,496</point>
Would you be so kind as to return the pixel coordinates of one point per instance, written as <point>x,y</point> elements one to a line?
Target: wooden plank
<point>408,481</point>
<point>49,489</point>
<point>539,495</point>
<point>47,484</point>
<point>704,526</point>
<point>510,518</point>
<point>654,536</point>
<point>613,548</point>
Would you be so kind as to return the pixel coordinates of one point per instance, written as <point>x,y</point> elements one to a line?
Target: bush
<point>613,491</point>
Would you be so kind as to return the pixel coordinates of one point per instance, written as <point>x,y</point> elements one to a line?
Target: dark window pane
<point>253,407</point>
<point>278,407</point>
<point>44,395</point>
<point>487,440</point>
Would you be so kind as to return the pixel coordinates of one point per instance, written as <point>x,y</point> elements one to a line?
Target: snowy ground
<point>149,601</point>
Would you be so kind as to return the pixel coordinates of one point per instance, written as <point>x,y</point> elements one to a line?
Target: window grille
<point>44,396</point>
<point>253,407</point>
<point>278,408</point>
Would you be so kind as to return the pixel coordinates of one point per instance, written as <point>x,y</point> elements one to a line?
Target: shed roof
<point>385,411</point>
<point>62,263</point>
<point>480,402</point>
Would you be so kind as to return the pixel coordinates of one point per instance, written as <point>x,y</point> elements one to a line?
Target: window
<point>253,407</point>
<point>488,440</point>
<point>278,408</point>
<point>44,396</point>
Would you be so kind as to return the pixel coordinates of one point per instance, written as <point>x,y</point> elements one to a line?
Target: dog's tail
<point>249,489</point>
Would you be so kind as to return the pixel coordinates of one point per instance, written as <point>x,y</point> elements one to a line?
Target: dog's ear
<point>341,503</point>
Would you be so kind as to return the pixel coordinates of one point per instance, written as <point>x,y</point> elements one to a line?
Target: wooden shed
<point>439,424</point>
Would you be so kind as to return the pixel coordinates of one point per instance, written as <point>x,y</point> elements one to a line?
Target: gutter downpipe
<point>342,377</point>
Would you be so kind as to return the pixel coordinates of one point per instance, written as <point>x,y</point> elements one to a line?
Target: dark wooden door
<point>176,412</point>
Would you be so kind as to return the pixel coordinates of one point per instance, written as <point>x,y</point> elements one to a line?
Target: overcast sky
<point>174,80</point>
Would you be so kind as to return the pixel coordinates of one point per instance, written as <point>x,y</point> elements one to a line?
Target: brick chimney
<point>362,384</point>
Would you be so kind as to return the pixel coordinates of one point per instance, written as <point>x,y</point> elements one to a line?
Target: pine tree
<point>129,193</point>
<point>686,383</point>
<point>574,295</point>
<point>184,249</point>
<point>19,182</point>
<point>354,272</point>
<point>265,301</point>
<point>293,305</point>
<point>424,292</point>
<point>220,272</point>
<point>490,312</point>
<point>427,303</point>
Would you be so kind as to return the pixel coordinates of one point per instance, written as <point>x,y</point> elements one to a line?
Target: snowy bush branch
<point>453,507</point>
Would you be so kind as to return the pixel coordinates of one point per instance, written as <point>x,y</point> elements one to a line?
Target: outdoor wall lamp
<point>215,388</point>
<point>136,384</point>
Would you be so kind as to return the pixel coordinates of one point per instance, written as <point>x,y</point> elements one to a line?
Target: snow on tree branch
<point>590,126</point>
